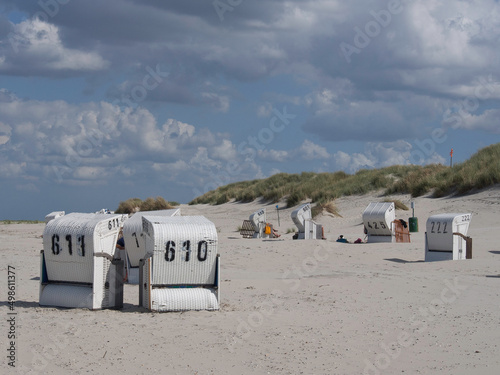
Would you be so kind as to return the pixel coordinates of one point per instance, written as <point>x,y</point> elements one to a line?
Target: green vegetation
<point>150,204</point>
<point>480,171</point>
<point>21,222</point>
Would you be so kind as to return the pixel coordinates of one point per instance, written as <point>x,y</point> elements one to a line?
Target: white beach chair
<point>308,229</point>
<point>77,265</point>
<point>378,220</point>
<point>54,215</point>
<point>258,220</point>
<point>133,237</point>
<point>181,269</point>
<point>446,237</point>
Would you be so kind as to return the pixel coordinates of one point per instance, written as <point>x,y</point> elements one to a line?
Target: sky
<point>102,101</point>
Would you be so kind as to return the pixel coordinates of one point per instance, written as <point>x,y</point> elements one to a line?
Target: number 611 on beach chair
<point>77,265</point>
<point>181,269</point>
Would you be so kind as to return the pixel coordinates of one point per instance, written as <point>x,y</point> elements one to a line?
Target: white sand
<point>288,307</point>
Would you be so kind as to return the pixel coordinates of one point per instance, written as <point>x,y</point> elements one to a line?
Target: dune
<point>288,306</point>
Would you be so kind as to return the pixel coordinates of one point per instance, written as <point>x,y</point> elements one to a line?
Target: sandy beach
<point>288,306</point>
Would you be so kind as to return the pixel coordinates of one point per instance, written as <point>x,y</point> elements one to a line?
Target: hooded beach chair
<point>446,237</point>
<point>181,268</point>
<point>77,265</point>
<point>307,228</point>
<point>133,236</point>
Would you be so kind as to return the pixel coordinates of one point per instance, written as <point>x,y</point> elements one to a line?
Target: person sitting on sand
<point>342,239</point>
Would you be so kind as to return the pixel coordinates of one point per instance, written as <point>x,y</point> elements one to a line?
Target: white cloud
<point>35,46</point>
<point>352,162</point>
<point>488,121</point>
<point>5,132</point>
<point>379,155</point>
<point>97,141</point>
<point>224,151</point>
<point>279,156</point>
<point>310,151</point>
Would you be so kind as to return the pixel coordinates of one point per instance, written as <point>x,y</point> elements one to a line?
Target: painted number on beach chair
<point>136,240</point>
<point>436,227</point>
<point>57,248</point>
<point>186,248</point>
<point>115,223</point>
<point>375,225</point>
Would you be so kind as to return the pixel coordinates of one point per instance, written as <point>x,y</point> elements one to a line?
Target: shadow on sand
<point>127,307</point>
<point>398,260</point>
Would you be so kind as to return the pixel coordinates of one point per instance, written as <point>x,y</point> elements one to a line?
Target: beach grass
<point>21,222</point>
<point>149,204</point>
<point>480,171</point>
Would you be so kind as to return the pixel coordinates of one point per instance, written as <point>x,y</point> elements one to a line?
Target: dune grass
<point>397,204</point>
<point>480,171</point>
<point>149,204</point>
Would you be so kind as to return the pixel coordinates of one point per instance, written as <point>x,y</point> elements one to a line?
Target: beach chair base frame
<point>105,292</point>
<point>163,298</point>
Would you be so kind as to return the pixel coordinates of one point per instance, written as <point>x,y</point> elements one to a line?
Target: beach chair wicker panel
<point>53,215</point>
<point>300,215</point>
<point>440,229</point>
<point>71,241</point>
<point>184,250</point>
<point>378,218</point>
<point>67,296</point>
<point>133,236</point>
<point>144,282</point>
<point>446,236</point>
<point>182,299</point>
<point>247,229</point>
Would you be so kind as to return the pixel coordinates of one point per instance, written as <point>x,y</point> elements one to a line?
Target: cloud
<point>310,151</point>
<point>387,117</point>
<point>279,156</point>
<point>384,154</point>
<point>488,121</point>
<point>37,41</point>
<point>89,142</point>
